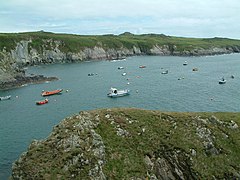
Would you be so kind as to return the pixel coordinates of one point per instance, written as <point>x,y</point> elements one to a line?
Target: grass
<point>150,133</point>
<point>160,132</point>
<point>75,43</point>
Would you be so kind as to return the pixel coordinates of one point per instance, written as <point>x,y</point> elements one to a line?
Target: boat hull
<point>222,82</point>
<point>119,94</point>
<point>5,98</point>
<point>42,102</point>
<point>50,93</point>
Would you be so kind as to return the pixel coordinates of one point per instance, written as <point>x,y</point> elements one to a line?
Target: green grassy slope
<point>74,43</point>
<point>133,143</point>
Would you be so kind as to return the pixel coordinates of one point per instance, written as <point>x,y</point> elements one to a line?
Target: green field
<point>74,43</point>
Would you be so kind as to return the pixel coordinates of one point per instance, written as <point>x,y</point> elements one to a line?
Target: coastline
<point>23,80</point>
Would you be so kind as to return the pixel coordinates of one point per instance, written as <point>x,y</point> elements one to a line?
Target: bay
<point>21,120</point>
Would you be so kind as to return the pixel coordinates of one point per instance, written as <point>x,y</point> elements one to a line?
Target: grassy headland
<point>136,144</point>
<point>74,43</point>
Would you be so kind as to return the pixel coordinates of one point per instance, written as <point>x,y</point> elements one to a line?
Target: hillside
<point>136,144</point>
<point>18,50</point>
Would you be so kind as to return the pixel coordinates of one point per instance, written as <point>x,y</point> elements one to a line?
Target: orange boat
<point>49,93</point>
<point>42,102</point>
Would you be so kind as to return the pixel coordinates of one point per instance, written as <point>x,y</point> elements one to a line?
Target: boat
<point>120,67</point>
<point>232,76</point>
<point>222,81</point>
<point>124,74</point>
<point>5,97</point>
<point>165,72</point>
<point>195,69</point>
<point>49,93</point>
<point>114,92</point>
<point>185,63</point>
<point>142,66</point>
<point>45,101</point>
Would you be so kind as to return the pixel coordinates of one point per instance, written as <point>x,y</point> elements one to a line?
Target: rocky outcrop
<point>205,52</point>
<point>136,144</point>
<point>161,50</point>
<point>22,80</point>
<point>11,72</point>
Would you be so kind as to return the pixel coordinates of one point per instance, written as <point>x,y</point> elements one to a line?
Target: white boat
<point>124,74</point>
<point>165,72</point>
<point>114,92</point>
<point>5,97</point>
<point>222,81</point>
<point>120,67</point>
<point>185,63</point>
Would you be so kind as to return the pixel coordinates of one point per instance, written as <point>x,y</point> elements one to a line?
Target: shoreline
<point>25,80</point>
<point>21,81</point>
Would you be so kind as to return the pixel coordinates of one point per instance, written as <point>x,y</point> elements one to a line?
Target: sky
<point>185,18</point>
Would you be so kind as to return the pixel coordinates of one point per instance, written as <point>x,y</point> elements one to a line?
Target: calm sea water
<point>21,120</point>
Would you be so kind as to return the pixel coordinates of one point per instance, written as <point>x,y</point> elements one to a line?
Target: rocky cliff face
<point>25,54</point>
<point>136,144</point>
<point>8,68</point>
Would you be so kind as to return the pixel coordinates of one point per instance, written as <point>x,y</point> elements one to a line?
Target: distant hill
<point>136,144</point>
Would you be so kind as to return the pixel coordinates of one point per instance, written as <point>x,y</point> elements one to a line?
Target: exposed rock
<point>233,125</point>
<point>23,80</point>
<point>172,164</point>
<point>160,50</point>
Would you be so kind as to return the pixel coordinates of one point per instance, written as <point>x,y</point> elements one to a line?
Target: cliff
<point>24,49</point>
<point>136,144</point>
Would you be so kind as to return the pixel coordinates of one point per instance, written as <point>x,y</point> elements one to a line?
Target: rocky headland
<point>34,48</point>
<point>13,75</point>
<point>136,144</point>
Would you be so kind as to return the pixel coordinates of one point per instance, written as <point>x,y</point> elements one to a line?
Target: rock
<point>232,125</point>
<point>193,152</point>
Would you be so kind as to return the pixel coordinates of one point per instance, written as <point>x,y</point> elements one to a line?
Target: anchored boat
<point>165,72</point>
<point>114,92</point>
<point>222,81</point>
<point>5,97</point>
<point>49,93</point>
<point>45,101</point>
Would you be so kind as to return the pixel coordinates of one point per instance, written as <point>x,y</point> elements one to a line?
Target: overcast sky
<point>187,18</point>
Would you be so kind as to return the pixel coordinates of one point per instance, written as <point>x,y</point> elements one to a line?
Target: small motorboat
<point>45,101</point>
<point>49,93</point>
<point>195,69</point>
<point>165,72</point>
<point>5,97</point>
<point>232,76</point>
<point>120,67</point>
<point>124,74</point>
<point>222,81</point>
<point>185,63</point>
<point>142,66</point>
<point>118,93</point>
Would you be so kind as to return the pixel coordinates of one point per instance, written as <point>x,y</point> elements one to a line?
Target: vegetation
<point>133,143</point>
<point>74,43</point>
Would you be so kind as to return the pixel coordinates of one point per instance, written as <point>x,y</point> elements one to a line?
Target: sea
<point>85,86</point>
